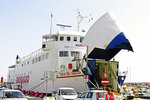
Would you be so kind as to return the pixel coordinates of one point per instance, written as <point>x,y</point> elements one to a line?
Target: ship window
<point>74,38</point>
<point>75,53</point>
<point>61,38</point>
<point>44,46</point>
<point>68,38</point>
<point>63,53</point>
<point>81,39</point>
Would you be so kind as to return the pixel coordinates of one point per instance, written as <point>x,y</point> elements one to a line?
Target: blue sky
<point>23,22</point>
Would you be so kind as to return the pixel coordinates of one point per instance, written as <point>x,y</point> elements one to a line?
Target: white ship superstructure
<point>58,59</point>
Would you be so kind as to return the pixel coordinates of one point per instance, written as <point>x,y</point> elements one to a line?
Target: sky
<point>23,22</point>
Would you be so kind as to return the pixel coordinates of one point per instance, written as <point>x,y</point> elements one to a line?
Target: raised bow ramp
<point>105,38</point>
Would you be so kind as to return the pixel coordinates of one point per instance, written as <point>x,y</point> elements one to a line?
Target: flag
<point>121,80</point>
<point>17,59</point>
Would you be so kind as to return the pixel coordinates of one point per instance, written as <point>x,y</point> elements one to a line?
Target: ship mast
<point>80,19</point>
<point>51,24</point>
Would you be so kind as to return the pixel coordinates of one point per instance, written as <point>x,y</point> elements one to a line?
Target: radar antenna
<point>63,26</point>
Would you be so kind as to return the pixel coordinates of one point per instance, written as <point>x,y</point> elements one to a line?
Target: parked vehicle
<point>91,95</point>
<point>8,94</point>
<point>1,89</point>
<point>129,95</point>
<point>66,93</point>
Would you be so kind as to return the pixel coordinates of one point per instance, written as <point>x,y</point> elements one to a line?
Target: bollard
<point>28,93</point>
<point>42,95</point>
<point>37,94</point>
<point>24,91</point>
<point>32,93</point>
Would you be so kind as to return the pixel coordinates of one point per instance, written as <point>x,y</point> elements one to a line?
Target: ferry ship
<point>66,57</point>
<point>59,56</point>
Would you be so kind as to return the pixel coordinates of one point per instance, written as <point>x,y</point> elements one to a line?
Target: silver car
<point>91,95</point>
<point>12,95</point>
<point>66,93</point>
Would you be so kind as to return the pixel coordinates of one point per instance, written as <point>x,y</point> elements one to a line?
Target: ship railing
<point>33,54</point>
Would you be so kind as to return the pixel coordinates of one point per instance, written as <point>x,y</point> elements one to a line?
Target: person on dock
<point>110,95</point>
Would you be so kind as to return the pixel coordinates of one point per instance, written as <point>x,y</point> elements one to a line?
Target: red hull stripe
<point>69,76</point>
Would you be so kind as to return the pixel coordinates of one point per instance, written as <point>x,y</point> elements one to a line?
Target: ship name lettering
<point>75,73</point>
<point>68,73</point>
<point>62,74</point>
<point>22,79</point>
<point>80,45</point>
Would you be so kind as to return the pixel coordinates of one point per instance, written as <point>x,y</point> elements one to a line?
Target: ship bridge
<point>62,33</point>
<point>63,36</point>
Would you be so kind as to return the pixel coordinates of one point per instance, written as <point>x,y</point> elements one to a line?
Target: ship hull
<point>52,81</point>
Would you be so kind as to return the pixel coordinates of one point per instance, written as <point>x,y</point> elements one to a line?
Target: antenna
<point>63,26</point>
<point>51,24</point>
<point>80,19</point>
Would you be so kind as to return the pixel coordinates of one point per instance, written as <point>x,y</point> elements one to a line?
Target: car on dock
<point>1,89</point>
<point>12,95</point>
<point>92,95</point>
<point>129,95</point>
<point>66,93</point>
